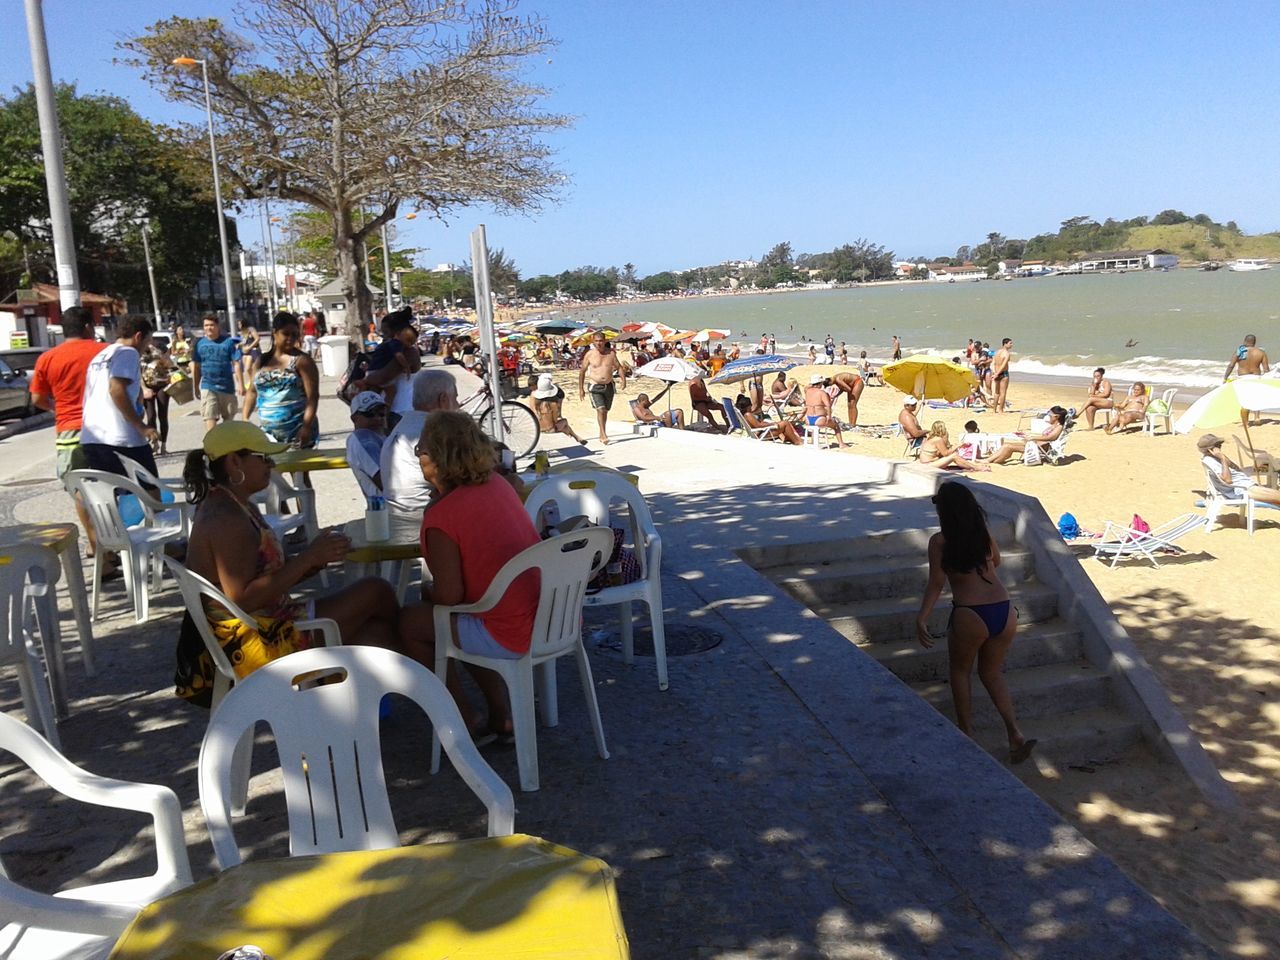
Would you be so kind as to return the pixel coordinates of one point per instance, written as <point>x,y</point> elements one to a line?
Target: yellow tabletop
<point>304,461</point>
<point>498,897</point>
<point>362,551</point>
<point>56,536</point>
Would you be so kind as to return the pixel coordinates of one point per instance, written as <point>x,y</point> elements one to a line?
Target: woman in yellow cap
<point>232,547</point>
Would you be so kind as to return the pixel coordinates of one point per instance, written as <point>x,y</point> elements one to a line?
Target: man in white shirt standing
<point>112,423</point>
<point>405,488</point>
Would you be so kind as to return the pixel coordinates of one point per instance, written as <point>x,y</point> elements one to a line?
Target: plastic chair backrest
<point>731,415</point>
<point>322,707</point>
<point>591,494</point>
<point>194,588</point>
<point>98,490</point>
<point>89,916</point>
<point>139,474</point>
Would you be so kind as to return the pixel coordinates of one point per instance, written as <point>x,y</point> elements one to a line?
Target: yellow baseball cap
<point>234,435</point>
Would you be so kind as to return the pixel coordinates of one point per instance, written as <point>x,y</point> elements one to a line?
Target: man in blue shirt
<point>213,371</point>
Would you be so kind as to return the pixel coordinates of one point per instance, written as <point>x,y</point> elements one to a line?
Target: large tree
<point>343,105</point>
<point>121,172</point>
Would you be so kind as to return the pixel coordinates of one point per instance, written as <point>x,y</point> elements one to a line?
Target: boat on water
<point>1249,264</point>
<point>1211,265</point>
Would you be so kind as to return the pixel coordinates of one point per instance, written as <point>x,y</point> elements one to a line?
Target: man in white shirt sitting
<point>407,492</point>
<point>364,446</point>
<point>112,423</point>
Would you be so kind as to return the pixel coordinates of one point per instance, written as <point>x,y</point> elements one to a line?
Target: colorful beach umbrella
<point>756,366</point>
<point>670,369</point>
<point>708,333</point>
<point>930,378</point>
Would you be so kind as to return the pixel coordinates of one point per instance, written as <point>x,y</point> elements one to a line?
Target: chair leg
<point>520,690</point>
<point>74,576</point>
<point>241,764</point>
<point>35,699</point>
<point>96,585</point>
<point>625,632</point>
<point>548,694</point>
<point>140,573</point>
<point>658,627</point>
<point>593,705</point>
<point>45,617</point>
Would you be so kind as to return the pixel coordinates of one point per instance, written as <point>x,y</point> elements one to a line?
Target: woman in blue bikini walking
<point>983,621</point>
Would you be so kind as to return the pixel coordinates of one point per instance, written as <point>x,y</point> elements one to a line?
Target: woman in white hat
<point>547,398</point>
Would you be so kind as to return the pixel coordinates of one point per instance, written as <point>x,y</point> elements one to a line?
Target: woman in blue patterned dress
<point>285,387</point>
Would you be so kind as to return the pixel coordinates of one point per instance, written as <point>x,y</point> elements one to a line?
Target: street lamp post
<point>217,187</point>
<point>271,253</point>
<point>55,177</point>
<point>151,275</point>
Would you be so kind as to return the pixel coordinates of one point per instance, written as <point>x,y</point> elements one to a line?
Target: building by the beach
<point>1155,259</point>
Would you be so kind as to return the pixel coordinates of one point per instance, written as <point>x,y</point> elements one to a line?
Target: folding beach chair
<point>1119,540</point>
<point>737,424</point>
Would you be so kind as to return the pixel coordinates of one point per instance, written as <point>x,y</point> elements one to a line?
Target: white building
<point>966,271</point>
<point>1125,260</point>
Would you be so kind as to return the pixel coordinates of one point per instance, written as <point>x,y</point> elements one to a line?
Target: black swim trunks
<point>601,395</point>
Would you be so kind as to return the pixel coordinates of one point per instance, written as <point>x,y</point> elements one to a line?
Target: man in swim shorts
<point>1000,373</point>
<point>599,366</point>
<point>1248,360</point>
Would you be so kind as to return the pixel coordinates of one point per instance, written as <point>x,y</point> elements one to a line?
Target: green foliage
<point>542,287</point>
<point>1169,217</point>
<point>441,287</point>
<point>121,171</point>
<point>861,260</point>
<point>587,283</point>
<point>664,282</point>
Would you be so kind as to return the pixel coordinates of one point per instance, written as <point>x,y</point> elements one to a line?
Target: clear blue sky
<point>710,131</point>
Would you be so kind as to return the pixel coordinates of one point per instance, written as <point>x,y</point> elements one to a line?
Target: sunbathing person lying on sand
<point>784,431</point>
<point>937,450</point>
<point>1057,419</point>
<point>1132,409</point>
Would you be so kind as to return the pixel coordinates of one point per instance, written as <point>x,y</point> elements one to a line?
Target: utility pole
<point>151,275</point>
<point>55,175</point>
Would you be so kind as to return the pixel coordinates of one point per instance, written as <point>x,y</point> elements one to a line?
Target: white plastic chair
<point>17,565</point>
<point>565,564</point>
<point>195,590</point>
<point>1163,412</point>
<point>299,502</point>
<point>180,511</point>
<point>322,707</point>
<point>591,494</point>
<point>140,547</point>
<point>1217,499</point>
<point>85,922</point>
<point>1054,451</point>
<point>1265,464</point>
<point>1119,540</point>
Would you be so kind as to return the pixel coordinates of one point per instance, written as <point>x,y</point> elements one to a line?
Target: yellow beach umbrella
<point>930,378</point>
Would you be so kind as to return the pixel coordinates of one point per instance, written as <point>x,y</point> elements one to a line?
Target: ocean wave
<point>1160,370</point>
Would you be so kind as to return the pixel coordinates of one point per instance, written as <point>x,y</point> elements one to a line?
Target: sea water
<point>1184,325</point>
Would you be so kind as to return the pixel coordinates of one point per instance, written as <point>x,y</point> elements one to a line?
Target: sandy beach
<point>1205,621</point>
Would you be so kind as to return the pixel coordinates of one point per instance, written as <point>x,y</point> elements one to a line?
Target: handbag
<point>180,388</point>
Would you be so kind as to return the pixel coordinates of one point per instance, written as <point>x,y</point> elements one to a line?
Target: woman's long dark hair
<point>200,474</point>
<point>281,320</point>
<point>966,544</point>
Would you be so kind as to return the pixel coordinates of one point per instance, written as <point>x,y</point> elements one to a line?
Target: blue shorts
<point>474,638</point>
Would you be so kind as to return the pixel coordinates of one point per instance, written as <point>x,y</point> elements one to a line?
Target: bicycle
<point>519,422</point>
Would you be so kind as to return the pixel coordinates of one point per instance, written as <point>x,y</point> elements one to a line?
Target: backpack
<point>357,370</point>
<point>1068,527</point>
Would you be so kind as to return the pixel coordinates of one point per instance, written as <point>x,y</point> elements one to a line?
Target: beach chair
<point>1265,464</point>
<point>1218,498</point>
<point>1160,409</point>
<point>1055,450</point>
<point>912,449</point>
<point>1119,540</point>
<point>84,922</point>
<point>566,563</point>
<point>737,424</point>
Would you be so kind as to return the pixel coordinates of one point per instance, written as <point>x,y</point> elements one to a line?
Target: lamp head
<point>185,61</point>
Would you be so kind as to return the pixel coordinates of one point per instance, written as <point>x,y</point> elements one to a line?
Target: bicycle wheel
<point>521,424</point>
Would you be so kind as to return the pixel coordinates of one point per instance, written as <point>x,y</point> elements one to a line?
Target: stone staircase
<point>869,589</point>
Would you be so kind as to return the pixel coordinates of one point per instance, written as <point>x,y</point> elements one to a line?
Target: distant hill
<point>1191,241</point>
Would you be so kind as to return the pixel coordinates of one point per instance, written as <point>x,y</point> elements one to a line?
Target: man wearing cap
<point>911,428</point>
<point>394,361</point>
<point>1230,480</point>
<point>547,400</point>
<point>364,446</point>
<point>817,407</point>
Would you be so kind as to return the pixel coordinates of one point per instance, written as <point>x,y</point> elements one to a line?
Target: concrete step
<point>887,619</point>
<point>1039,693</point>
<point>1101,735</point>
<point>889,543</point>
<point>866,578</point>
<point>1037,644</point>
